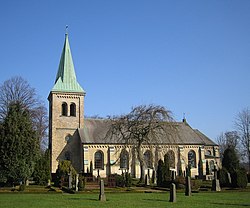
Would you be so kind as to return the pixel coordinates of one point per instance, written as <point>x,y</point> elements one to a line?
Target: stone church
<point>82,141</point>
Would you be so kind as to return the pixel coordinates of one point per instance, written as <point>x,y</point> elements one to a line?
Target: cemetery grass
<point>205,200</point>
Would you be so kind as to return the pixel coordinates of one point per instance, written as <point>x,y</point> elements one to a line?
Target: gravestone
<point>49,182</point>
<point>77,181</point>
<point>216,182</point>
<point>70,181</point>
<point>188,186</point>
<point>172,193</point>
<point>229,178</point>
<point>102,196</point>
<point>147,180</point>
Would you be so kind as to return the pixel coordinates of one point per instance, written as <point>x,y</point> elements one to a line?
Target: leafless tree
<point>145,124</point>
<point>228,139</point>
<point>242,124</point>
<point>18,90</point>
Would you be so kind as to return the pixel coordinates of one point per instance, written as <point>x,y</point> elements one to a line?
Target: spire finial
<point>66,29</point>
<point>184,118</point>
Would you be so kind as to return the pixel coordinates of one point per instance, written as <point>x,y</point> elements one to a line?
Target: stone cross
<point>102,196</point>
<point>216,182</point>
<point>172,193</point>
<point>188,186</point>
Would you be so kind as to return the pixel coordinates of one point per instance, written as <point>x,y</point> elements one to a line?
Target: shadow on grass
<point>233,204</point>
<point>83,199</point>
<point>159,200</point>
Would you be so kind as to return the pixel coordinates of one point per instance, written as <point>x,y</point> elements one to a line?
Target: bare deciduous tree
<point>242,124</point>
<point>18,90</point>
<point>229,139</point>
<point>143,125</point>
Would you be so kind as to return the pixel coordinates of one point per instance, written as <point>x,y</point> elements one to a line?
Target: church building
<point>83,141</point>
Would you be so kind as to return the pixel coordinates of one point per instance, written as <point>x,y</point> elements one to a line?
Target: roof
<point>66,77</point>
<point>95,130</point>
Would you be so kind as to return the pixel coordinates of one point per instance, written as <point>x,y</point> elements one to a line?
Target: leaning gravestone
<point>102,196</point>
<point>188,186</point>
<point>229,178</point>
<point>172,193</point>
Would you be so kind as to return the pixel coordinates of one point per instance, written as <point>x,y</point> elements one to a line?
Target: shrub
<point>180,182</point>
<point>196,184</point>
<point>119,180</point>
<point>153,178</point>
<point>159,173</point>
<point>22,187</point>
<point>223,177</point>
<point>239,178</point>
<point>128,180</point>
<point>81,183</point>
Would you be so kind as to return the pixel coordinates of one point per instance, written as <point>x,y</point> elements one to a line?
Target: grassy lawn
<point>204,200</point>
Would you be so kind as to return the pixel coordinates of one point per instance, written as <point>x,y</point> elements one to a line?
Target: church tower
<point>66,110</point>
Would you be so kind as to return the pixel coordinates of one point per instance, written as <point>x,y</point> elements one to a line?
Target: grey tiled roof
<point>95,130</point>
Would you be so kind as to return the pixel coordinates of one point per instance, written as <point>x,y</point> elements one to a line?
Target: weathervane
<point>66,29</point>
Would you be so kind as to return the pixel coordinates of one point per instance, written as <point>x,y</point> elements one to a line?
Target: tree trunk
<point>141,161</point>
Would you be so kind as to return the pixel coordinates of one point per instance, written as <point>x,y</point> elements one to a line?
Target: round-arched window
<point>99,163</point>
<point>72,109</point>
<point>192,159</point>
<point>124,160</point>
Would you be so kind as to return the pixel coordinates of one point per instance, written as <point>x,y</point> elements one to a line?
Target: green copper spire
<point>66,77</point>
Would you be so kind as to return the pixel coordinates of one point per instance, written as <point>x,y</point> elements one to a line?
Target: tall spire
<point>66,77</point>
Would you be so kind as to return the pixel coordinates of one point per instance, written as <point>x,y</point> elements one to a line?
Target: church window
<point>211,164</point>
<point>148,159</point>
<point>170,158</point>
<point>72,109</point>
<point>208,153</point>
<point>99,163</point>
<point>192,159</point>
<point>124,159</point>
<point>64,109</point>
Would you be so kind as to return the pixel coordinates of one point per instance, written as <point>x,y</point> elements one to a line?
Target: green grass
<point>203,200</point>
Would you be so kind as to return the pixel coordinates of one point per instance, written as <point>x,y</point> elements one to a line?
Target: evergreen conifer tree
<point>18,145</point>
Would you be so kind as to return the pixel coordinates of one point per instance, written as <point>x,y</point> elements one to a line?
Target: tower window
<point>64,109</point>
<point>72,109</point>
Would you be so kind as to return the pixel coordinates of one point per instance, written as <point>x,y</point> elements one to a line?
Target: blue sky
<point>192,57</point>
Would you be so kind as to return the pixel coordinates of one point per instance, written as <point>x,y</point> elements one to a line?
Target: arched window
<point>211,166</point>
<point>72,109</point>
<point>124,160</point>
<point>64,109</point>
<point>192,159</point>
<point>99,163</point>
<point>170,158</point>
<point>148,159</point>
<point>208,153</point>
